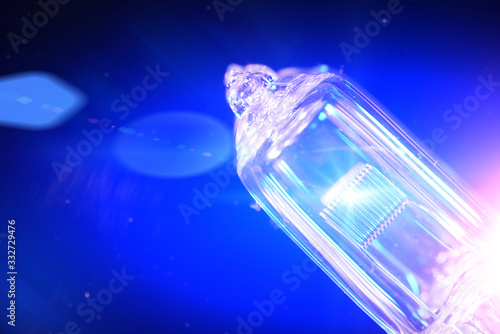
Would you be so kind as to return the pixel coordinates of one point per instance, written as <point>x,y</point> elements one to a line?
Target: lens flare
<point>174,144</point>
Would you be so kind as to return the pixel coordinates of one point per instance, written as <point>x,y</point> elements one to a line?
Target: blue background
<point>200,277</point>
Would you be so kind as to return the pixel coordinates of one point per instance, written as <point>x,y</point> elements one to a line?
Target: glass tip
<point>246,85</point>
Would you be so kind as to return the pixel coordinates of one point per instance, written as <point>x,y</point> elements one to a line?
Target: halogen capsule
<point>381,217</point>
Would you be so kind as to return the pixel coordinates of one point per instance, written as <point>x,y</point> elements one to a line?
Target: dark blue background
<point>199,277</point>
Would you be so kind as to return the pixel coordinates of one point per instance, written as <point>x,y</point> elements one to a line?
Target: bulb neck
<point>474,306</point>
<point>487,316</point>
<point>485,320</point>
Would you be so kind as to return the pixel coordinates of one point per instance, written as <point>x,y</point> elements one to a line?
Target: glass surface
<point>382,218</point>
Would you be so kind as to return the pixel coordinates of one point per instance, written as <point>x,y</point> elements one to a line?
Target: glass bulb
<point>380,216</point>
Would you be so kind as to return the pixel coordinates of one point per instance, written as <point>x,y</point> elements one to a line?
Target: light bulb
<point>381,217</point>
